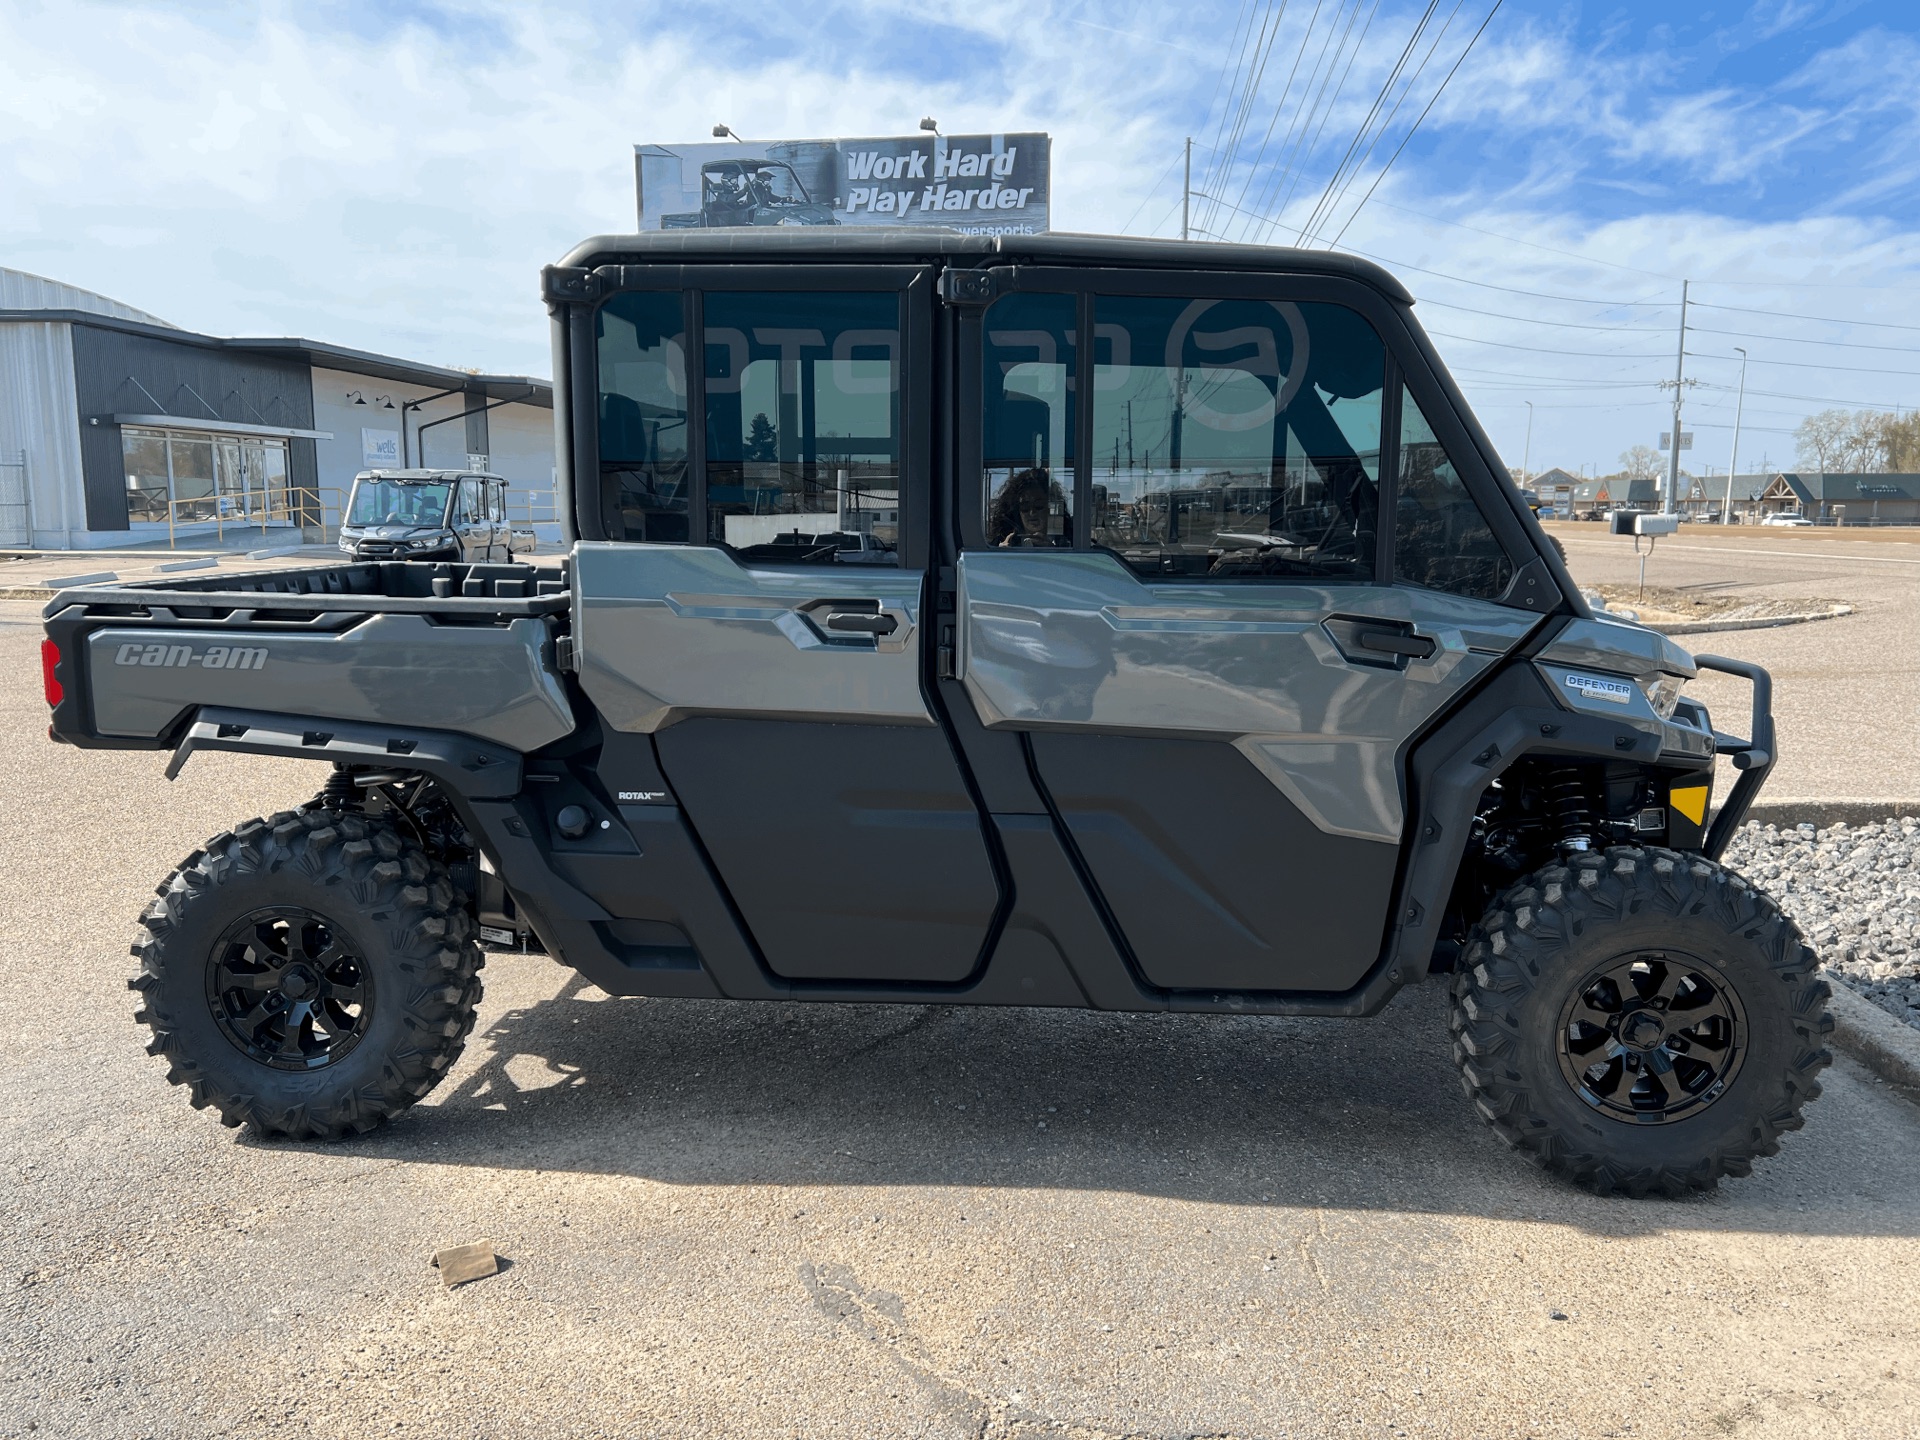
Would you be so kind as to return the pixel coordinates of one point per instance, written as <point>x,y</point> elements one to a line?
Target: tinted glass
<point>396,502</point>
<point>1028,424</point>
<point>1236,439</point>
<point>145,456</point>
<point>1440,538</point>
<point>192,477</point>
<point>803,426</point>
<point>643,417</point>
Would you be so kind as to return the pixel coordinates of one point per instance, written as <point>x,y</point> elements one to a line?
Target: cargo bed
<point>437,647</point>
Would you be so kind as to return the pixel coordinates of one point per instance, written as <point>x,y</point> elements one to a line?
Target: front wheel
<point>1640,1021</point>
<point>310,975</point>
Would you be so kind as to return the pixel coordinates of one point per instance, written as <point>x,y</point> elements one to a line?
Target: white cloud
<point>396,184</point>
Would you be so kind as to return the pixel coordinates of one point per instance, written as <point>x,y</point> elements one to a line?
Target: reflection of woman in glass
<point>1023,511</point>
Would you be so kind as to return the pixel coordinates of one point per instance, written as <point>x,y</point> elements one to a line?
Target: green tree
<point>762,443</point>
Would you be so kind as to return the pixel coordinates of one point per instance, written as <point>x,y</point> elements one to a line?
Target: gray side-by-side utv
<point>1049,620</point>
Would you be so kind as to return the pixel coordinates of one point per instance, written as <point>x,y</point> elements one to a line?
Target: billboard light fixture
<point>725,132</point>
<point>929,123</point>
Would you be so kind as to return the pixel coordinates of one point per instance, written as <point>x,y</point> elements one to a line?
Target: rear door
<point>470,525</point>
<point>1188,582</point>
<point>749,421</point>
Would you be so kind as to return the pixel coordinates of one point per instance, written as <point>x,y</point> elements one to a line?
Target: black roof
<point>530,389</point>
<point>854,243</point>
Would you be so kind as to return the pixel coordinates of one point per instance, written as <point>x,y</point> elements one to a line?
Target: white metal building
<point>117,428</point>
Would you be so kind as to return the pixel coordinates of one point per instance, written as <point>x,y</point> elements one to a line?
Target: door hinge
<point>969,287</point>
<point>562,284</point>
<point>563,657</point>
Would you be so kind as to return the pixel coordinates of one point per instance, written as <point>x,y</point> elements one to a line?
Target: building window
<point>189,476</point>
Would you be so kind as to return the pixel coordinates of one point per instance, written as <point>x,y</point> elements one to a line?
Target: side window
<point>1028,421</point>
<point>1236,439</point>
<point>497,503</point>
<point>643,417</point>
<point>473,504</point>
<point>803,426</point>
<point>1440,539</point>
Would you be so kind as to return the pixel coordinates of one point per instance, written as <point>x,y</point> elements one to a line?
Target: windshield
<point>396,502</point>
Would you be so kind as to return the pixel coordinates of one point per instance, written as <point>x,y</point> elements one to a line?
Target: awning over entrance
<point>219,427</point>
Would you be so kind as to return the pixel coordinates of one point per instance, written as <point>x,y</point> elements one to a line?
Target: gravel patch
<point>1855,891</point>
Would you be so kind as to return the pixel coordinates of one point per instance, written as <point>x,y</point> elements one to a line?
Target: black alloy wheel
<point>287,989</point>
<point>1652,1037</point>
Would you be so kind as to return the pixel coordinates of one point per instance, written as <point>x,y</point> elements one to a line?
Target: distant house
<point>1555,488</point>
<point>1614,492</point>
<point>1851,499</point>
<point>1707,494</point>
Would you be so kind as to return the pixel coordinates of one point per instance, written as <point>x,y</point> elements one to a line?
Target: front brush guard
<point>1753,757</point>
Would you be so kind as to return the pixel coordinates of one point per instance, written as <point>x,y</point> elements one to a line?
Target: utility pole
<point>1679,382</point>
<point>1186,191</point>
<point>1733,465</point>
<point>1526,452</point>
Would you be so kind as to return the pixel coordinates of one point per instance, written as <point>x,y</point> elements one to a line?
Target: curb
<point>26,592</point>
<point>1767,622</point>
<point>1824,812</point>
<point>1887,1047</point>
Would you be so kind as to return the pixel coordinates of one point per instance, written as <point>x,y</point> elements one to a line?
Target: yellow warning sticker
<point>1690,802</point>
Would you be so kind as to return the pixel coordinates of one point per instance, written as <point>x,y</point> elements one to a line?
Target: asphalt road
<point>867,1221</point>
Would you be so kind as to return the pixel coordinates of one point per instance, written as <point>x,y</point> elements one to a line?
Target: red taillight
<point>49,663</point>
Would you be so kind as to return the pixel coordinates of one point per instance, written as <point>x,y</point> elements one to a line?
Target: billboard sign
<point>980,184</point>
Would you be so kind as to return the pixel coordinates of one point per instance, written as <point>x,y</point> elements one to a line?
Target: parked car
<point>1297,724</point>
<point>1786,517</point>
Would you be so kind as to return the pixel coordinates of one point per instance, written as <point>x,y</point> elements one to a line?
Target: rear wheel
<point>309,975</point>
<point>1640,1021</point>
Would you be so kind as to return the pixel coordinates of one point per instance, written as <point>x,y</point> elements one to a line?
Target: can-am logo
<point>215,657</point>
<point>1617,692</point>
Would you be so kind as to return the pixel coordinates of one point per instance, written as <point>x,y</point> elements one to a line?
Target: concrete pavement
<point>728,1219</point>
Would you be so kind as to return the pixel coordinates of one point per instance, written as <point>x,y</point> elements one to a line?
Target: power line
<point>1274,199</point>
<point>1380,131</point>
<point>1789,315</point>
<point>1306,39</point>
<point>1819,365</point>
<point>1366,121</point>
<point>1801,340</point>
<point>1542,350</point>
<point>1511,290</point>
<point>1621,329</point>
<point>1419,120</point>
<point>1532,244</point>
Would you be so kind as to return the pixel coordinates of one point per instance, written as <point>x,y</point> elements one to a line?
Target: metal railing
<point>16,507</point>
<point>317,512</point>
<point>301,508</point>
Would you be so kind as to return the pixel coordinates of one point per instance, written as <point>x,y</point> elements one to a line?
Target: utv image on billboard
<point>750,192</point>
<point>977,184</point>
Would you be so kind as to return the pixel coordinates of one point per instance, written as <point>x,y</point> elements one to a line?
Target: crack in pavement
<point>879,1317</point>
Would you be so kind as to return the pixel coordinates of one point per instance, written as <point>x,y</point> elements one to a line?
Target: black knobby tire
<point>379,910</point>
<point>1554,951</point>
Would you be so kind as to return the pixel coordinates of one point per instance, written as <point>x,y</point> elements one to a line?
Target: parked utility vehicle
<point>1215,666</point>
<point>427,515</point>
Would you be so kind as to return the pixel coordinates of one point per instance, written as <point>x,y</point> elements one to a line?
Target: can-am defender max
<point>1213,665</point>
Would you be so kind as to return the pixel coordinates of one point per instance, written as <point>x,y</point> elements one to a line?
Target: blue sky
<point>392,177</point>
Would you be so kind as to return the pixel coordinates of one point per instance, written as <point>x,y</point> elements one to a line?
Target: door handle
<point>1396,642</point>
<point>861,622</point>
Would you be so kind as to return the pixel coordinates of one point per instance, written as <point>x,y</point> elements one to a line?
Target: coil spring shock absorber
<point>339,793</point>
<point>1569,805</point>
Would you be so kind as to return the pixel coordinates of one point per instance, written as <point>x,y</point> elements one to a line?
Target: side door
<point>497,516</point>
<point>747,421</point>
<point>470,528</point>
<point>1216,570</point>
